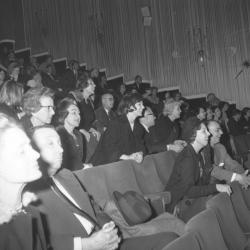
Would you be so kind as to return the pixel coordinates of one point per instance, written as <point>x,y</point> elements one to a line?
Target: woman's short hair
<point>190,128</point>
<point>31,99</point>
<point>62,111</point>
<point>11,93</point>
<point>127,102</point>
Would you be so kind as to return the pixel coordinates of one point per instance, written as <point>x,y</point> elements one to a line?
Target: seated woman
<point>225,168</point>
<point>67,119</point>
<point>10,99</point>
<point>20,227</point>
<point>71,214</point>
<point>189,181</point>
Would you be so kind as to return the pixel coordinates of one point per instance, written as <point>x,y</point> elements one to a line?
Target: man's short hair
<point>31,99</point>
<point>190,128</point>
<point>127,102</point>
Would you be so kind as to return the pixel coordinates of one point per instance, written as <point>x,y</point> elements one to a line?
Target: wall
<point>110,34</point>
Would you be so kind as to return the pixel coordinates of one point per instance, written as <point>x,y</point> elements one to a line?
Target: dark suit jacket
<point>167,131</point>
<point>118,139</point>
<point>24,231</point>
<point>150,140</point>
<point>74,152</point>
<point>68,80</point>
<point>189,178</point>
<point>103,119</point>
<point>61,222</point>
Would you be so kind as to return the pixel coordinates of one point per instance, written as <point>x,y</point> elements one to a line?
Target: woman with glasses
<point>38,105</point>
<point>20,227</point>
<point>66,120</point>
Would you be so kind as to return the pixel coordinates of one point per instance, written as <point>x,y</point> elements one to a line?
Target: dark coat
<point>61,222</point>
<point>74,151</point>
<point>167,131</point>
<point>118,139</point>
<point>150,141</point>
<point>24,231</point>
<point>189,178</point>
<point>103,119</point>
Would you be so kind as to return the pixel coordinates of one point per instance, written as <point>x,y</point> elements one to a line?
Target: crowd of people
<point>52,125</point>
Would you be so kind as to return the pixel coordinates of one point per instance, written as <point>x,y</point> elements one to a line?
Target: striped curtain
<point>199,45</point>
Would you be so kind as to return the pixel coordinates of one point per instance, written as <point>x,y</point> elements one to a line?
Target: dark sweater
<point>189,177</point>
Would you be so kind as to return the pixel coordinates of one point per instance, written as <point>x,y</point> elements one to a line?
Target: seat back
<point>147,176</point>
<point>240,208</point>
<point>103,180</point>
<point>186,241</point>
<point>207,231</point>
<point>164,163</point>
<point>231,231</point>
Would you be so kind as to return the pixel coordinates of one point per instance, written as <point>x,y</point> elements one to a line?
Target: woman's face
<point>73,118</point>
<point>217,113</point>
<point>202,136</point>
<point>18,160</point>
<point>209,114</point>
<point>91,87</point>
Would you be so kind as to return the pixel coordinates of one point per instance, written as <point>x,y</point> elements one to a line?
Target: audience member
<point>137,85</point>
<point>216,114</point>
<point>209,113</point>
<point>105,114</point>
<point>70,76</point>
<point>13,71</point>
<point>10,99</point>
<point>38,105</point>
<point>48,61</point>
<point>189,181</point>
<point>36,81</point>
<point>66,120</point>
<point>2,76</point>
<point>200,113</point>
<point>244,121</point>
<point>119,141</point>
<point>167,129</point>
<point>212,100</point>
<point>225,168</point>
<point>20,226</point>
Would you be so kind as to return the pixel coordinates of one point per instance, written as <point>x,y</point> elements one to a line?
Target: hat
<point>134,208</point>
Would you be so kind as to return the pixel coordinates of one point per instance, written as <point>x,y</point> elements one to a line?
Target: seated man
<point>147,133</point>
<point>38,105</point>
<point>225,168</point>
<point>105,114</point>
<point>119,141</point>
<point>167,129</point>
<point>71,215</point>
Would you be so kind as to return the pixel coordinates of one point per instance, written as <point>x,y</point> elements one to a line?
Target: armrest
<point>159,201</point>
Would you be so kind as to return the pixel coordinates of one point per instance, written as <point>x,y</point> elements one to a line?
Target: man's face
<point>215,131</point>
<point>138,108</point>
<point>108,101</point>
<point>149,118</point>
<point>49,144</point>
<point>176,112</point>
<point>202,114</point>
<point>46,112</point>
<point>138,80</point>
<point>202,136</point>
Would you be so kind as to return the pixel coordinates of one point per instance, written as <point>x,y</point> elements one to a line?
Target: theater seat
<point>241,210</point>
<point>185,242</point>
<point>206,229</point>
<point>233,235</point>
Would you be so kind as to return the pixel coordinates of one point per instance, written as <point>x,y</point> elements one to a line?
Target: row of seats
<point>224,225</point>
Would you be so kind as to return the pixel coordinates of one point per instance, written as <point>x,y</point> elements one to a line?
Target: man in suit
<point>69,78</point>
<point>137,86</point>
<point>105,114</point>
<point>74,221</point>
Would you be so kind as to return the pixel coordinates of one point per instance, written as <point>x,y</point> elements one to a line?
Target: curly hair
<point>127,102</point>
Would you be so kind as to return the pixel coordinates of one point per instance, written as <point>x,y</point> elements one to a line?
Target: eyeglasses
<point>48,107</point>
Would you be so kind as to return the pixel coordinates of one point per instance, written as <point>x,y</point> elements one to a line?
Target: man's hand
<point>86,134</point>
<point>243,179</point>
<point>138,157</point>
<point>95,133</point>
<point>180,142</point>
<point>177,148</point>
<point>224,188</point>
<point>105,239</point>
